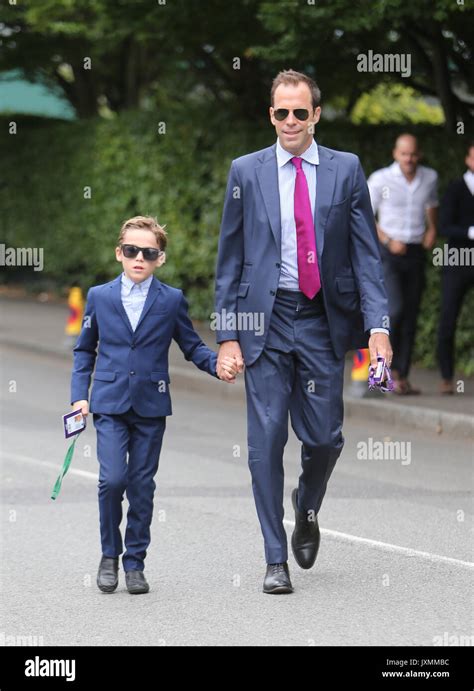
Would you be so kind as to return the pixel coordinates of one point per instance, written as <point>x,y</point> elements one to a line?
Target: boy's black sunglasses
<point>149,253</point>
<point>299,113</point>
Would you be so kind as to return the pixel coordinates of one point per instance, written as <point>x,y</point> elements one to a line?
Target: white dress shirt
<point>400,204</point>
<point>133,298</point>
<point>469,180</point>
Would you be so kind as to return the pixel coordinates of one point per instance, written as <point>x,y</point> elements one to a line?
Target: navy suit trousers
<point>296,374</point>
<point>140,438</point>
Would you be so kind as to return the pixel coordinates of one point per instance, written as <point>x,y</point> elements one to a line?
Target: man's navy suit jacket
<point>249,256</point>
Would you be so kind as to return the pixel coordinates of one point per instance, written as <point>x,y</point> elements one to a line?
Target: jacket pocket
<point>243,290</point>
<point>346,284</point>
<point>157,377</point>
<point>105,376</point>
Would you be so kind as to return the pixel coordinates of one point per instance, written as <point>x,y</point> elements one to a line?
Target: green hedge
<point>180,178</point>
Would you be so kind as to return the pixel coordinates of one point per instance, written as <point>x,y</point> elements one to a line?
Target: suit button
<point>272,292</point>
<point>132,372</point>
<point>132,346</point>
<point>278,265</point>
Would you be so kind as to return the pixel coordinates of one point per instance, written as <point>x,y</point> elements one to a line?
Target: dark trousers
<point>455,282</point>
<point>140,438</point>
<point>404,281</point>
<point>296,374</point>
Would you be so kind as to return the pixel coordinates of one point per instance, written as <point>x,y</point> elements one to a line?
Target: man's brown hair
<point>145,223</point>
<point>295,78</point>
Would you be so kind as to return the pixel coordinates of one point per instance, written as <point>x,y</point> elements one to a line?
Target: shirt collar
<point>396,170</point>
<point>469,180</point>
<point>311,155</point>
<point>143,286</point>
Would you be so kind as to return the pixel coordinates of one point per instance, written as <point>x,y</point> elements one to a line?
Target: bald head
<point>406,140</point>
<point>407,154</point>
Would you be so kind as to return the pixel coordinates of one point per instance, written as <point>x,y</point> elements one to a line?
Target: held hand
<point>379,344</point>
<point>429,238</point>
<point>83,405</point>
<point>230,349</point>
<point>227,369</point>
<point>397,247</point>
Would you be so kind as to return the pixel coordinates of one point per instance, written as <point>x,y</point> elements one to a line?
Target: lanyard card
<point>380,376</point>
<point>74,423</point>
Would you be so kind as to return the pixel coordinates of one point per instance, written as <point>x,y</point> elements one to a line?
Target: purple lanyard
<point>380,377</point>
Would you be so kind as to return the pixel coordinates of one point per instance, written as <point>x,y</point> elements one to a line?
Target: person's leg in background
<point>412,286</point>
<point>455,282</point>
<point>394,277</point>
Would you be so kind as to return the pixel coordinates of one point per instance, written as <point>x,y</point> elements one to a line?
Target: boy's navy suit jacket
<point>132,366</point>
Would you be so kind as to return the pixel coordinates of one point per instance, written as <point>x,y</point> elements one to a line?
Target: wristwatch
<point>386,242</point>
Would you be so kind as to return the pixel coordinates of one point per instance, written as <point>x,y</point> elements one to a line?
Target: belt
<point>298,298</point>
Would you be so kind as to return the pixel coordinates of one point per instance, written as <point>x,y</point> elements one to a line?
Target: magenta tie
<point>308,270</point>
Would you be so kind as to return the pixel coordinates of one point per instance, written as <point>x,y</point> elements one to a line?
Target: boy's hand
<point>230,349</point>
<point>83,405</point>
<point>227,369</point>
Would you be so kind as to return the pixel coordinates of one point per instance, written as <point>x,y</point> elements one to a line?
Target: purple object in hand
<point>380,377</point>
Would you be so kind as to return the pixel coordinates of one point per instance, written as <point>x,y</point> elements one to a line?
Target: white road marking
<point>345,537</point>
<point>407,551</point>
<point>46,464</point>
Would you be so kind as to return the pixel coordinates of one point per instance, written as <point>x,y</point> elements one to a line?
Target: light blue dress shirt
<point>133,298</point>
<point>286,186</point>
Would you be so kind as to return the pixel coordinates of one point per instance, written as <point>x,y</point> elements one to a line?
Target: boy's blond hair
<point>145,223</point>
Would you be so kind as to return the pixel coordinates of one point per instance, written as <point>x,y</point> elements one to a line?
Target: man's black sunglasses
<point>299,113</point>
<point>150,254</point>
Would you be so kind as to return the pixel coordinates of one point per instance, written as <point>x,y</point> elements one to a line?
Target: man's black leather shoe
<point>136,582</point>
<point>306,536</point>
<point>107,576</point>
<point>277,579</point>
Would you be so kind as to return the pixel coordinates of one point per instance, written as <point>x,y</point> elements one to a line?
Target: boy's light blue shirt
<point>133,297</point>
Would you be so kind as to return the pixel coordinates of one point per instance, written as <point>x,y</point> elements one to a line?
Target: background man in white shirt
<point>404,197</point>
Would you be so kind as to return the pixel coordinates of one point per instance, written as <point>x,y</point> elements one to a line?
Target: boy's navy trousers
<point>140,438</point>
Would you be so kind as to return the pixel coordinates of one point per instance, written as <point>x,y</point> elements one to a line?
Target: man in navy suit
<point>132,320</point>
<point>298,253</point>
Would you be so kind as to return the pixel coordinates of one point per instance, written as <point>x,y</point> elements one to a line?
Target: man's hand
<point>393,246</point>
<point>379,344</point>
<point>229,349</point>
<point>397,247</point>
<point>429,238</point>
<point>83,405</point>
<point>228,369</point>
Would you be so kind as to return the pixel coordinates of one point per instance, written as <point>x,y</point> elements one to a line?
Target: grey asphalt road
<point>394,565</point>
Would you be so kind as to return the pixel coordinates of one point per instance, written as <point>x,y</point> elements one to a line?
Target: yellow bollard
<point>360,365</point>
<point>360,373</point>
<point>76,312</point>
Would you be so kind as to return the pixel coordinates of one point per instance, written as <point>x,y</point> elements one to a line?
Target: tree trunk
<point>442,79</point>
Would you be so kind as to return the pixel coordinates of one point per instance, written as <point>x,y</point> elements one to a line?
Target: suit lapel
<point>325,182</point>
<point>116,292</point>
<point>154,289</point>
<point>267,175</point>
<point>116,295</point>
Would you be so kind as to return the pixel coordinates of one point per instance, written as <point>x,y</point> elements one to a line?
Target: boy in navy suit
<point>132,320</point>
